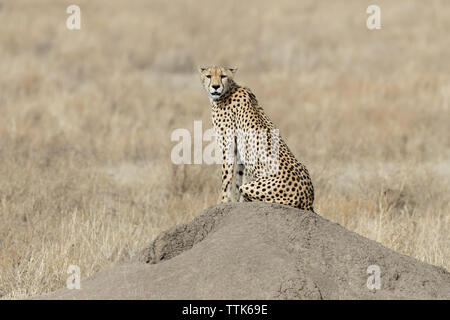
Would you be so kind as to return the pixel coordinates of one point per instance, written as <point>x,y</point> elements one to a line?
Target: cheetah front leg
<point>243,177</point>
<point>227,177</point>
<point>240,173</point>
<point>228,158</point>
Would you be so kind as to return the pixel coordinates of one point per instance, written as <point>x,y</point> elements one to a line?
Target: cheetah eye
<point>223,76</point>
<point>208,76</point>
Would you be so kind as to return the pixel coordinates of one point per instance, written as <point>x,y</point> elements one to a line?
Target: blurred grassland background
<point>86,119</point>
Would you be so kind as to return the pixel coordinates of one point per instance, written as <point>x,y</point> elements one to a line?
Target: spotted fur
<point>266,170</point>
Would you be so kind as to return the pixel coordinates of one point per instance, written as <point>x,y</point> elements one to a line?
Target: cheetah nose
<point>215,86</point>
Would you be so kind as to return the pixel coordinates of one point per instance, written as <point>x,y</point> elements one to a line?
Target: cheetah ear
<point>201,69</point>
<point>232,70</point>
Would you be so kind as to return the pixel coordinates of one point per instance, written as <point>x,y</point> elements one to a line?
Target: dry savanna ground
<point>86,119</point>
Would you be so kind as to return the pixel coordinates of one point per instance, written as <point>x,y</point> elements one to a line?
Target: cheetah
<point>266,170</point>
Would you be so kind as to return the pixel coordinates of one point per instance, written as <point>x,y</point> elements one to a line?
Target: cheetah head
<point>216,80</point>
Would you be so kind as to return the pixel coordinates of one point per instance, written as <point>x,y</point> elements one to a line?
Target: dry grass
<point>86,176</point>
